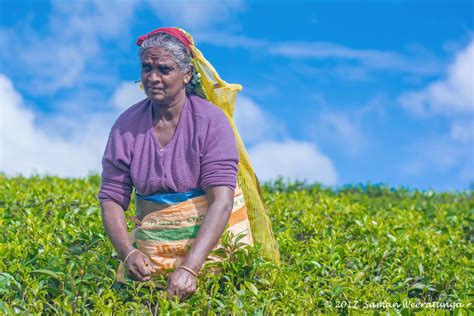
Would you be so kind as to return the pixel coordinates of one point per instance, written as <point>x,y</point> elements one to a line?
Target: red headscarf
<point>173,31</point>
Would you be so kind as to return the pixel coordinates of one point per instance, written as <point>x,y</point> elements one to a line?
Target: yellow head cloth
<point>224,95</point>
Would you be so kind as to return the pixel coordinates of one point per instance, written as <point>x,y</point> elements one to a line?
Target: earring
<point>141,86</point>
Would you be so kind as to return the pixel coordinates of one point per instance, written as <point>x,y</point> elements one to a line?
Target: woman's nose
<point>154,76</point>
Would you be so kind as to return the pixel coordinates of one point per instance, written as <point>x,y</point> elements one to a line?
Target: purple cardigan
<point>202,153</point>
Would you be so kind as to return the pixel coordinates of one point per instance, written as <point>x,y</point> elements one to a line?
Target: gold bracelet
<point>188,269</point>
<point>125,261</point>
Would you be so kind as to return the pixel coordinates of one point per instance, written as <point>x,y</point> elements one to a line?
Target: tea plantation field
<point>359,249</point>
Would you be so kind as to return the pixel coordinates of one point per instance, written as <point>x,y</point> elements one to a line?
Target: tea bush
<point>355,249</point>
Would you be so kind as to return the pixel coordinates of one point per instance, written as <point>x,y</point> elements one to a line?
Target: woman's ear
<point>188,75</point>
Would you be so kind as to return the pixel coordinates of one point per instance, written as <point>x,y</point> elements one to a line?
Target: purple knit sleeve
<point>220,157</point>
<point>116,183</point>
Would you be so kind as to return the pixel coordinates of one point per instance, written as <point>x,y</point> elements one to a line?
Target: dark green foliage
<point>343,250</point>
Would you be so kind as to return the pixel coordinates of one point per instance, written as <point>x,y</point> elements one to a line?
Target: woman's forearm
<point>211,230</point>
<point>113,219</point>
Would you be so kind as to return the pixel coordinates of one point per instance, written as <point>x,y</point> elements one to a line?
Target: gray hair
<point>181,54</point>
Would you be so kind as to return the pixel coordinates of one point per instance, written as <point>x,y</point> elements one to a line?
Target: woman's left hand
<point>182,284</point>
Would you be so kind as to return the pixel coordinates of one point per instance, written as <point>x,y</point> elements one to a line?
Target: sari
<point>170,223</point>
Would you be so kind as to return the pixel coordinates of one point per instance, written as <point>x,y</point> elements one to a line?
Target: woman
<point>173,141</point>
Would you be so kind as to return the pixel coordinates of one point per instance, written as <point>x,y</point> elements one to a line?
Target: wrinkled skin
<point>163,81</point>
<point>165,86</point>
<point>139,266</point>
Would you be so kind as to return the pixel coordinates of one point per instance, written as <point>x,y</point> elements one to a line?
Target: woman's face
<point>161,77</point>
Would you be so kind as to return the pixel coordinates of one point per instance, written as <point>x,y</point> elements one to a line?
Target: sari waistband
<point>171,198</point>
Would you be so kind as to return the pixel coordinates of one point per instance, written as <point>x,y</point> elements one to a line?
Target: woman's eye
<point>146,68</point>
<point>165,70</point>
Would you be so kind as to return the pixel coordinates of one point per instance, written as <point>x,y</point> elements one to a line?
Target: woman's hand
<point>139,266</point>
<point>182,284</point>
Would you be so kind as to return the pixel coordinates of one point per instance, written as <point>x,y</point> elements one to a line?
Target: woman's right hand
<point>139,266</point>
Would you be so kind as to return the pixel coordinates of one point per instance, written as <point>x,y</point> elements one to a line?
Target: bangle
<point>129,255</point>
<point>188,269</point>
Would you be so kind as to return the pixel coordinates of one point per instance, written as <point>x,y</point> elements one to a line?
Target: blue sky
<point>338,92</point>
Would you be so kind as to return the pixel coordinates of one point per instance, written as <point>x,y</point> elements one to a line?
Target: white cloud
<point>127,94</point>
<point>453,95</point>
<point>463,131</point>
<point>250,120</point>
<point>356,61</point>
<point>330,73</point>
<point>27,149</point>
<point>59,57</point>
<point>224,39</point>
<point>65,53</point>
<point>353,73</point>
<point>197,15</point>
<point>95,19</point>
<point>343,126</point>
<point>294,160</point>
<point>451,98</point>
<point>345,129</point>
<point>253,123</point>
<point>440,155</point>
<point>368,58</point>
<point>31,149</point>
<point>272,158</point>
